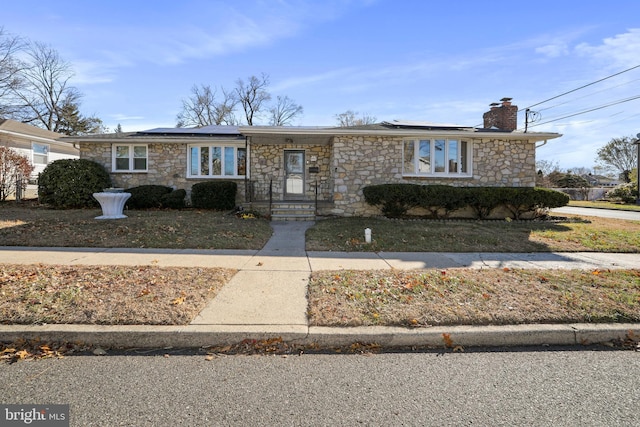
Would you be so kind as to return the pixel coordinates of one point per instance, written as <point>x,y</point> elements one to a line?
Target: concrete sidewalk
<point>268,296</point>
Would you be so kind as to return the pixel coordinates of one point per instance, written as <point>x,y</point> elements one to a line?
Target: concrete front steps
<point>285,210</point>
<point>293,211</point>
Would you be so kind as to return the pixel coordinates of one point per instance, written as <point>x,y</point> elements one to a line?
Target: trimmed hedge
<point>147,196</point>
<point>174,200</point>
<point>395,199</point>
<point>440,200</point>
<point>70,183</point>
<point>216,195</point>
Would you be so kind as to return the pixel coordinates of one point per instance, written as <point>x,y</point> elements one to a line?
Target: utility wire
<point>582,87</point>
<point>539,110</point>
<point>588,111</point>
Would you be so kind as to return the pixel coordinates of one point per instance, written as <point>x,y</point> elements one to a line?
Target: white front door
<point>294,174</point>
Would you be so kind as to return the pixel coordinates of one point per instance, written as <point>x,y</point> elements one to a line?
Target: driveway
<point>603,213</point>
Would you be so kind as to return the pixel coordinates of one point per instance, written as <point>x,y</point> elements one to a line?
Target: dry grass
<point>473,297</point>
<point>569,235</point>
<point>108,295</point>
<point>30,224</point>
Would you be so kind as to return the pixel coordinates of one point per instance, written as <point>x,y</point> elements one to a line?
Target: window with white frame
<point>40,153</point>
<point>436,157</point>
<point>215,161</point>
<point>130,157</point>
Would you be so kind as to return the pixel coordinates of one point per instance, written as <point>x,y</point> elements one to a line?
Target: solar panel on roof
<point>204,130</point>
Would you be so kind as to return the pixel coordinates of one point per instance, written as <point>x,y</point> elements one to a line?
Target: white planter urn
<point>112,201</point>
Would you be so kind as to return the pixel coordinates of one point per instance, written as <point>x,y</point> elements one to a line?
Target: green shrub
<point>70,183</point>
<point>483,200</point>
<point>625,193</point>
<point>217,195</point>
<point>520,200</point>
<point>394,199</point>
<point>147,196</point>
<point>174,200</point>
<point>440,200</point>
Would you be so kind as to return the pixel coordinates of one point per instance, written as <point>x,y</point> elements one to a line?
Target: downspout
<point>542,145</point>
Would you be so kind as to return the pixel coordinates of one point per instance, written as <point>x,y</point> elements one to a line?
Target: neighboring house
<point>293,167</point>
<point>41,147</point>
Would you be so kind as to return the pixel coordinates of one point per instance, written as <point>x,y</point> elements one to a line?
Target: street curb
<point>135,336</point>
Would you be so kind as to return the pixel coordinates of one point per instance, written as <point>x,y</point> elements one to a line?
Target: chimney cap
<point>506,99</point>
<point>494,104</point>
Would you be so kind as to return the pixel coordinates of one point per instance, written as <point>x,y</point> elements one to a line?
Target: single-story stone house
<point>298,172</point>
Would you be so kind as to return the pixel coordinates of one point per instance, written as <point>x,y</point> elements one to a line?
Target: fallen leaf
<point>448,342</point>
<point>178,301</point>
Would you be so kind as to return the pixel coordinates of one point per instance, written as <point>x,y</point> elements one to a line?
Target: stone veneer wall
<point>362,161</point>
<point>167,165</point>
<point>267,163</point>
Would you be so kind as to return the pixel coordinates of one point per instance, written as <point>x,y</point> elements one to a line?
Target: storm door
<point>294,174</point>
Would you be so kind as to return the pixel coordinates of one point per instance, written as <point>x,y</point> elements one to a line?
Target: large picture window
<point>436,157</point>
<point>130,158</point>
<point>214,161</point>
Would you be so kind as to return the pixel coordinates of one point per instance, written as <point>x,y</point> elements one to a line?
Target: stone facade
<point>166,165</point>
<point>267,166</point>
<point>344,167</point>
<point>362,161</point>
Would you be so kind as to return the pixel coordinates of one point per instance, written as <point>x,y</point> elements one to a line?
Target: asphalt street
<point>542,387</point>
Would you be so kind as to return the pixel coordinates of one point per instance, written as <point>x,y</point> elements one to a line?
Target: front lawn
<point>30,224</point>
<point>570,235</point>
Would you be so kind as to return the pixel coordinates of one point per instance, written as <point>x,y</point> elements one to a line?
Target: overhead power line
<point>621,101</point>
<point>582,87</point>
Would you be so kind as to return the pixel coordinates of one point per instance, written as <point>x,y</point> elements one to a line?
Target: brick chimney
<point>502,116</point>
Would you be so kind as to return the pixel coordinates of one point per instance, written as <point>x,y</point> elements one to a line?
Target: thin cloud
<point>621,50</point>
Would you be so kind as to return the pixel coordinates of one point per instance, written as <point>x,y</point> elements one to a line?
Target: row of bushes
<point>395,200</point>
<point>70,183</point>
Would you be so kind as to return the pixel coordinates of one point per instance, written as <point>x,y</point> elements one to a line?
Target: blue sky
<point>393,59</point>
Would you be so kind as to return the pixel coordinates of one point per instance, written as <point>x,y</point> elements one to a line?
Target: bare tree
<point>10,71</point>
<point>619,155</point>
<point>350,118</point>
<point>284,111</point>
<point>203,109</point>
<point>252,96</point>
<point>580,170</point>
<point>547,166</point>
<point>46,88</point>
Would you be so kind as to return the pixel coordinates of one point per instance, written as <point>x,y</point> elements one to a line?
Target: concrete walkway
<point>268,295</point>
